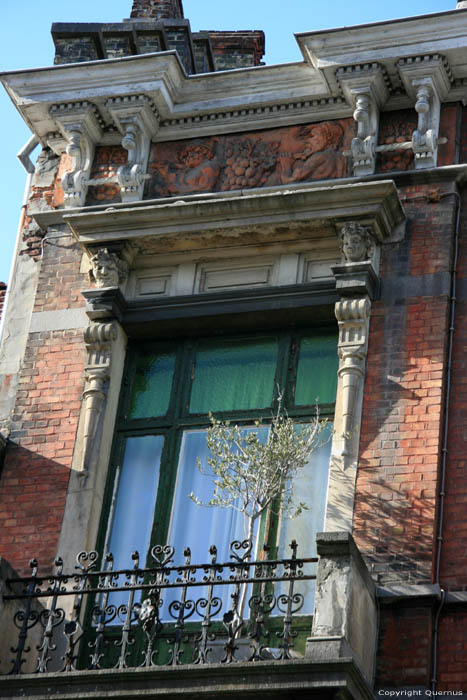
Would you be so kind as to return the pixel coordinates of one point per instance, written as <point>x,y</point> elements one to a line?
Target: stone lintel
<point>132,314</point>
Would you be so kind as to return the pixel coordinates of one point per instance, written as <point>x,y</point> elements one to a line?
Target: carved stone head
<point>107,269</point>
<point>357,242</point>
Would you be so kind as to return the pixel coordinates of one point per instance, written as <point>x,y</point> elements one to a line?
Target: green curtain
<point>234,375</point>
<point>152,385</point>
<point>317,370</point>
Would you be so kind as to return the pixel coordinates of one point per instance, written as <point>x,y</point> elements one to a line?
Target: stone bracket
<point>427,80</point>
<point>80,125</point>
<point>366,89</point>
<point>353,320</point>
<point>137,119</point>
<point>98,338</point>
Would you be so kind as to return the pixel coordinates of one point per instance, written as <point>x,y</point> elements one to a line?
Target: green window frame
<point>170,388</point>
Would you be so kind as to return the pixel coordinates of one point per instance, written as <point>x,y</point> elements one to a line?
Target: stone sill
<point>297,678</point>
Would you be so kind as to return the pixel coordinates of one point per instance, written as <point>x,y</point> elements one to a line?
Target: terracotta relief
<point>256,159</point>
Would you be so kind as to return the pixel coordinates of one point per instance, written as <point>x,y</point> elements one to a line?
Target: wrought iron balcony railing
<point>240,610</point>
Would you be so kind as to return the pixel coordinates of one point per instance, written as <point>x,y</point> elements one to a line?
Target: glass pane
<point>317,370</point>
<point>152,384</point>
<point>199,527</point>
<point>310,487</point>
<point>234,375</point>
<point>136,497</point>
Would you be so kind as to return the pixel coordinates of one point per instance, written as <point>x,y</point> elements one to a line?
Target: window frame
<point>176,420</point>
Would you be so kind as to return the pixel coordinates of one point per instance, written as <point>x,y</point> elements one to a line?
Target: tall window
<point>170,390</point>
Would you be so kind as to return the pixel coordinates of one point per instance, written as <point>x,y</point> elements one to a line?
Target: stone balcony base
<point>298,679</point>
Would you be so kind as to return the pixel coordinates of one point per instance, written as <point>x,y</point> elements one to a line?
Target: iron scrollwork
<point>168,613</point>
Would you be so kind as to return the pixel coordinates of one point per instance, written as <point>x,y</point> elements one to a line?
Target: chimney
<point>157,9</point>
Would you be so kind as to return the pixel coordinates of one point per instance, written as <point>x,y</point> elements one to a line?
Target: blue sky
<point>25,42</point>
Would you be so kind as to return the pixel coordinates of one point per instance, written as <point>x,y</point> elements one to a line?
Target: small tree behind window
<point>251,475</point>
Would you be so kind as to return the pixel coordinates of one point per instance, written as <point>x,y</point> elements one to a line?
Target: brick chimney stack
<point>157,9</point>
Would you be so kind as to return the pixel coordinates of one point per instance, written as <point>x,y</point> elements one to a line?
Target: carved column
<point>79,123</point>
<point>427,79</point>
<point>357,282</point>
<point>98,338</point>
<point>137,119</point>
<point>366,89</point>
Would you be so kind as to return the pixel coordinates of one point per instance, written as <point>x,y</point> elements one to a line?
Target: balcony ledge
<point>298,678</point>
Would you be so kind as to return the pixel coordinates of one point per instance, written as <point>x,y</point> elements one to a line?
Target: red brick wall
<point>395,519</point>
<point>38,458</point>
<point>395,509</point>
<point>404,654</point>
<point>452,651</point>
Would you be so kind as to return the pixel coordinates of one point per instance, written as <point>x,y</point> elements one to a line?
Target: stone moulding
<point>252,98</point>
<point>374,204</point>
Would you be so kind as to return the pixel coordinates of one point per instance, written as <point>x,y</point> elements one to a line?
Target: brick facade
<point>399,502</point>
<point>38,460</point>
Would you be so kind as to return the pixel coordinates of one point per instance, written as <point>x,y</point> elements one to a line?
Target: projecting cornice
<point>252,98</point>
<point>149,224</point>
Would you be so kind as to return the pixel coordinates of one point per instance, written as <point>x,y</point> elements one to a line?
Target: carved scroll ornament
<point>98,338</point>
<point>79,124</point>
<point>353,319</point>
<point>138,121</point>
<point>427,79</point>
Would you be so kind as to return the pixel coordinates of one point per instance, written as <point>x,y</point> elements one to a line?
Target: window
<point>168,394</point>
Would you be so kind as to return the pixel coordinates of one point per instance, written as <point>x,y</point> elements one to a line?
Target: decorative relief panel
<point>255,159</point>
<point>237,161</point>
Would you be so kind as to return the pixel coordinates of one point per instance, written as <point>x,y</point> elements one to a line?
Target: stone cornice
<point>252,98</point>
<point>374,204</point>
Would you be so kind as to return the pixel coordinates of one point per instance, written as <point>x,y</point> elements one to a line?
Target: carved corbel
<point>108,269</point>
<point>138,121</point>
<point>427,80</point>
<point>353,320</point>
<point>80,126</point>
<point>366,89</point>
<point>98,338</point>
<point>357,274</point>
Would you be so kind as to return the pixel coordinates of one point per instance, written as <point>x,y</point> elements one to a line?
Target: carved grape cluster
<point>248,163</point>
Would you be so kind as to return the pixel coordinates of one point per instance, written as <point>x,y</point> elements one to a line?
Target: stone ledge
<point>265,679</point>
